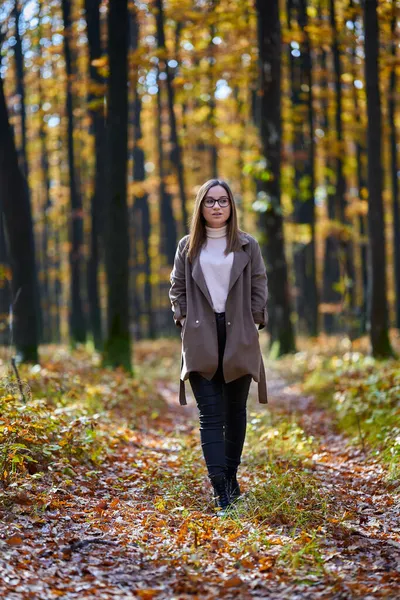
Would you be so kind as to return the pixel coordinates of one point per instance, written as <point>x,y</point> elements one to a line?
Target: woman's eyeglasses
<point>210,202</point>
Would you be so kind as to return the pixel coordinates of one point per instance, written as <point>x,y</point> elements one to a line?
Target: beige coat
<point>246,304</point>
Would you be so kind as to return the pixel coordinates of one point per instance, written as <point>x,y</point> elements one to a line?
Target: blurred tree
<point>141,209</point>
<point>96,102</point>
<point>360,150</point>
<point>168,230</point>
<point>77,317</point>
<point>394,168</point>
<point>19,63</point>
<point>15,205</point>
<point>346,257</point>
<point>269,39</point>
<point>5,283</point>
<point>176,159</point>
<point>331,296</point>
<point>49,329</point>
<point>377,310</point>
<point>212,121</point>
<point>302,114</point>
<point>117,347</point>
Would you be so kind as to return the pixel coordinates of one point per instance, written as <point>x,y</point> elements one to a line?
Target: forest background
<point>297,108</point>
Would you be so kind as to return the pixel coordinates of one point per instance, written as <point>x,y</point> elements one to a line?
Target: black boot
<point>221,495</point>
<point>232,484</point>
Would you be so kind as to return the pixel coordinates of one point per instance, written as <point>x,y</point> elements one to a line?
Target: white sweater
<point>216,266</point>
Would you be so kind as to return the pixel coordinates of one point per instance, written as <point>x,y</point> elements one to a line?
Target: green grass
<point>283,507</point>
<point>361,395</point>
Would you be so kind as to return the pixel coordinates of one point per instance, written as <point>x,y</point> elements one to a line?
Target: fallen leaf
<point>14,540</point>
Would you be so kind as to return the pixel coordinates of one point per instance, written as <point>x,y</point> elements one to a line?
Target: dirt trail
<point>368,560</point>
<point>90,540</point>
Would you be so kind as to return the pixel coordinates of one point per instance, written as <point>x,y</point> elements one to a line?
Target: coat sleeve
<point>259,288</point>
<point>177,292</point>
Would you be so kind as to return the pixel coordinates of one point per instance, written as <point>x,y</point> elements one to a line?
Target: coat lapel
<point>198,276</point>
<point>240,260</point>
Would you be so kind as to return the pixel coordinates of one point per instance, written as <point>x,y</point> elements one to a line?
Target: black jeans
<point>222,412</point>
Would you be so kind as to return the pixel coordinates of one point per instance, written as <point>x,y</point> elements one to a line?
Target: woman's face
<point>217,215</point>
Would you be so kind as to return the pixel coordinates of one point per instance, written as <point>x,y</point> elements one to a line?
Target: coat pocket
<point>179,311</point>
<point>194,332</point>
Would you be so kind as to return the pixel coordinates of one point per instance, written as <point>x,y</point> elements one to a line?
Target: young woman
<point>219,299</point>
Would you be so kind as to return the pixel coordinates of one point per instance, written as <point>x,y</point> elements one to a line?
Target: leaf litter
<point>120,506</point>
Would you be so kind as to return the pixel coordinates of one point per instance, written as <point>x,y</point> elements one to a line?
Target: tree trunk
<point>377,300</point>
<point>304,178</point>
<point>141,202</point>
<point>117,347</point>
<point>57,285</point>
<point>19,67</point>
<point>45,287</point>
<point>269,41</point>
<point>48,334</point>
<point>18,219</point>
<point>394,169</point>
<point>77,318</point>
<point>97,203</point>
<point>168,233</point>
<point>176,152</point>
<point>360,143</point>
<point>5,284</point>
<point>346,246</point>
<point>212,104</point>
<point>331,272</point>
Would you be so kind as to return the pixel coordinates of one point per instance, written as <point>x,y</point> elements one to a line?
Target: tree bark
<point>19,67</point>
<point>168,232</point>
<point>97,202</point>
<point>15,204</point>
<point>45,287</point>
<point>176,152</point>
<point>346,246</point>
<point>377,300</point>
<point>141,202</point>
<point>304,177</point>
<point>394,169</point>
<point>77,317</point>
<point>331,271</point>
<point>360,144</point>
<point>269,41</point>
<point>5,284</point>
<point>117,347</point>
<point>212,103</point>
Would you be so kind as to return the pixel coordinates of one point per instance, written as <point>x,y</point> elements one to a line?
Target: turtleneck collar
<point>216,232</point>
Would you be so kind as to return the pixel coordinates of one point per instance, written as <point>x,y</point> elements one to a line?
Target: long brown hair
<point>198,233</point>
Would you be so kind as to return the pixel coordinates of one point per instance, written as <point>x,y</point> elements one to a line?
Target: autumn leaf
<point>14,540</point>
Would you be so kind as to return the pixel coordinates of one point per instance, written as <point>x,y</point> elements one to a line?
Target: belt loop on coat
<point>182,394</point>
<point>262,385</point>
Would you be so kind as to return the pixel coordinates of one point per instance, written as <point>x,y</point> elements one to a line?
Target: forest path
<point>365,542</point>
<point>365,550</point>
<point>142,525</point>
